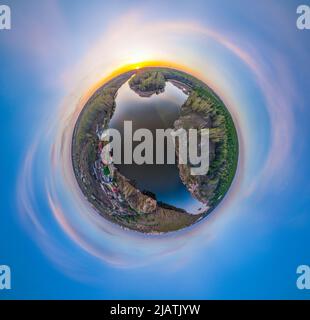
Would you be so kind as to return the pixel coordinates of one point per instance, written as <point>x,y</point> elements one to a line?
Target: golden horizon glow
<point>137,66</point>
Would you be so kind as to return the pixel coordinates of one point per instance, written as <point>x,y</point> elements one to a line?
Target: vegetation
<point>223,133</point>
<point>148,82</point>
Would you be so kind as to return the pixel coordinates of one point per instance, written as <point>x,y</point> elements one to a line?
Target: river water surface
<point>155,112</point>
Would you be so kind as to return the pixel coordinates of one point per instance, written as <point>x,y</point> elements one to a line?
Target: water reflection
<point>155,112</point>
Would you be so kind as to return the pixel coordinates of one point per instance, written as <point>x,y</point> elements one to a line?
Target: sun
<point>129,65</point>
<point>137,57</point>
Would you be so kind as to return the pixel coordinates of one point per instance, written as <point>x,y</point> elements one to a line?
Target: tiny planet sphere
<point>153,197</point>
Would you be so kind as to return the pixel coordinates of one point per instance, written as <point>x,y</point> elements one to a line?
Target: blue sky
<point>255,59</point>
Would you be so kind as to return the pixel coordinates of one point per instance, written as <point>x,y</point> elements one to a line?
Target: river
<point>155,112</point>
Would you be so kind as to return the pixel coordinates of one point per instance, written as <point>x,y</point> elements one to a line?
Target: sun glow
<point>136,66</point>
